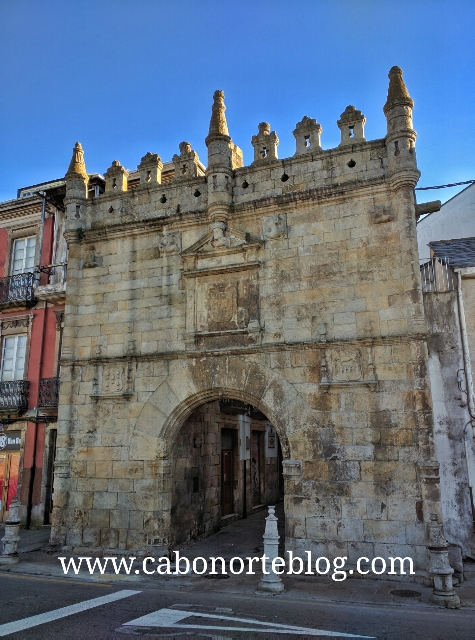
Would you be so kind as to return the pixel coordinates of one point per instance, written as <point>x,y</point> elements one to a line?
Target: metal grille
<point>437,275</point>
<point>236,407</point>
<point>18,289</point>
<point>49,392</point>
<point>56,273</point>
<point>14,394</point>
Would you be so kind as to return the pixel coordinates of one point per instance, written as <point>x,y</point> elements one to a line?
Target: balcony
<point>52,284</point>
<point>49,392</point>
<point>14,396</point>
<point>18,291</point>
<point>437,275</point>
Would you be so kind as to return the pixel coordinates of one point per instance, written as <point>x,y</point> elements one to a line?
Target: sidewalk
<point>241,539</point>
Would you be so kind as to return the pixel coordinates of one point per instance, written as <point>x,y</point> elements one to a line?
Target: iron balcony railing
<point>51,285</point>
<point>437,275</point>
<point>14,394</point>
<point>56,273</point>
<point>49,392</point>
<point>18,290</point>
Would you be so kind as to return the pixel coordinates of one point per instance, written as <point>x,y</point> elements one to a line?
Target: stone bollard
<point>271,583</point>
<point>444,592</point>
<point>11,538</point>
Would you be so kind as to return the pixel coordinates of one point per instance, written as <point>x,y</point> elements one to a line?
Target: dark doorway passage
<point>256,468</point>
<point>227,472</point>
<point>227,465</point>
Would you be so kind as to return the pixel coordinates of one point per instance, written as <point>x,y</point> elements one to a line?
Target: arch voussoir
<point>202,380</point>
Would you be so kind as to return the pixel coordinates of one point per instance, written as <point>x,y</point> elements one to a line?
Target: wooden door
<point>50,481</point>
<point>12,478</point>
<point>9,465</point>
<point>227,481</point>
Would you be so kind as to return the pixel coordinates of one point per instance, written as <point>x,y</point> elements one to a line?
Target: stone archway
<point>204,379</point>
<point>186,388</point>
<point>226,464</point>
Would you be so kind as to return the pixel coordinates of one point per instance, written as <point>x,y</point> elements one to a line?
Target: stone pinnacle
<point>77,166</point>
<point>397,90</point>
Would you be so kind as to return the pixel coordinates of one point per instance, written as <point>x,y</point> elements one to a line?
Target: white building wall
<point>456,219</point>
<point>450,417</point>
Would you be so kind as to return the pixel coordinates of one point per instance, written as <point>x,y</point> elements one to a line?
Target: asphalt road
<point>22,597</point>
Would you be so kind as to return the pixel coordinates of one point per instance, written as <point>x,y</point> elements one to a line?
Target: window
<point>23,255</point>
<point>13,358</point>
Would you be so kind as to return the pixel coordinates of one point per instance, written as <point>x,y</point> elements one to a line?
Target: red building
<point>33,266</point>
<point>33,257</point>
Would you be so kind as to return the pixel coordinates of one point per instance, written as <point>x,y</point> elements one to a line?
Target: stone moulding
<point>247,245</point>
<point>62,469</point>
<point>111,396</point>
<point>429,472</point>
<point>15,322</point>
<point>325,192</point>
<point>53,293</point>
<point>200,381</point>
<point>371,384</point>
<point>113,381</point>
<point>292,468</point>
<point>222,269</point>
<point>67,358</point>
<point>198,340</point>
<point>345,368</point>
<point>141,226</point>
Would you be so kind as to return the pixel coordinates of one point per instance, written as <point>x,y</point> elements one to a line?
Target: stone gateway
<point>238,333</point>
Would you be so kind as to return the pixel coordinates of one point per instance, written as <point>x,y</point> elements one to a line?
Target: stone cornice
<point>252,350</point>
<point>225,268</point>
<point>191,218</point>
<point>330,192</point>
<point>21,208</point>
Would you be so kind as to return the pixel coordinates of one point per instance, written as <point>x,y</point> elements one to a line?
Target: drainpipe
<point>31,484</point>
<point>468,430</point>
<point>42,194</point>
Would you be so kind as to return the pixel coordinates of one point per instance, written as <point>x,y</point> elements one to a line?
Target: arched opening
<point>227,465</point>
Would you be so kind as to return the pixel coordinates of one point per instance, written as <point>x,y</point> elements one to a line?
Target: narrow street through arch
<point>227,467</point>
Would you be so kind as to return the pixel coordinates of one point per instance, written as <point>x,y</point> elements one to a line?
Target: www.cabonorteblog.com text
<point>236,566</point>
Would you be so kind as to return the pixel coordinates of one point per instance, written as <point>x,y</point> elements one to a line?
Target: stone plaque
<point>113,379</point>
<point>346,366</point>
<point>222,306</point>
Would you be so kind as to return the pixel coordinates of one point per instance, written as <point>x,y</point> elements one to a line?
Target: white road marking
<point>172,618</point>
<point>49,616</point>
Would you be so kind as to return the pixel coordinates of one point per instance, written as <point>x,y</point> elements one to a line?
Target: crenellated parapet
<point>351,125</point>
<point>265,144</point>
<point>186,164</point>
<point>307,134</point>
<point>184,185</point>
<point>150,169</point>
<point>116,178</point>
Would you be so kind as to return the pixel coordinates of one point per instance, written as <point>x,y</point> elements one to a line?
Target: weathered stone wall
<point>468,294</point>
<point>450,416</point>
<point>291,285</point>
<point>196,474</point>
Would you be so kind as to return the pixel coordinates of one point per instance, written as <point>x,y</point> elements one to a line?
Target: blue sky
<point>129,76</point>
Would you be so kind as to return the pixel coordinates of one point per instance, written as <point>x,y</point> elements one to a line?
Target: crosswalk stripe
<point>56,614</point>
